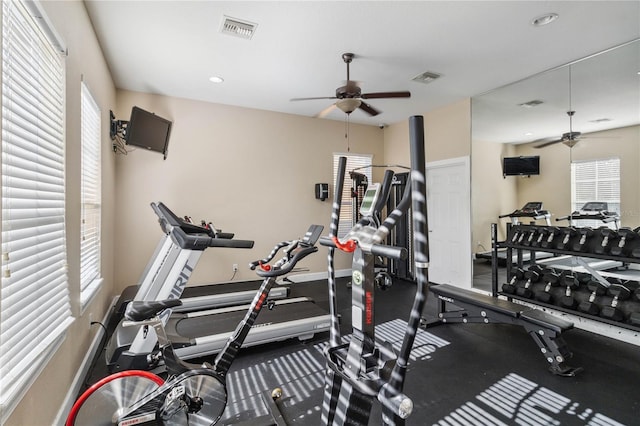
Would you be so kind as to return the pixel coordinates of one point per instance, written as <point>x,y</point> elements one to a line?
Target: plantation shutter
<point>34,298</point>
<point>91,198</point>
<point>596,180</point>
<point>354,161</point>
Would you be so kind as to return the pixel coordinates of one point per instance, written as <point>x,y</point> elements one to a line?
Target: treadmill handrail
<point>203,241</point>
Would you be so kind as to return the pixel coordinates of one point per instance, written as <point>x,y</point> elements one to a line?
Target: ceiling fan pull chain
<point>346,132</point>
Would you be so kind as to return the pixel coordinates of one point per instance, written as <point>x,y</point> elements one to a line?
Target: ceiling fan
<point>570,138</point>
<point>350,97</point>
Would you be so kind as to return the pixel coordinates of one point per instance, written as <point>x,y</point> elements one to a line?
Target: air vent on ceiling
<point>531,104</point>
<point>427,77</point>
<point>238,28</point>
<point>600,120</point>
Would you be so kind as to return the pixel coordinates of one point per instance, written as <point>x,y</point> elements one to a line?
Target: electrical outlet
<point>235,267</point>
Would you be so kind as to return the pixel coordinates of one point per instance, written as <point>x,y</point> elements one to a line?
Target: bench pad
<point>477,299</point>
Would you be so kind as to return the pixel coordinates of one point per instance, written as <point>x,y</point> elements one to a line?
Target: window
<point>354,161</point>
<point>595,180</point>
<point>34,297</point>
<point>90,277</point>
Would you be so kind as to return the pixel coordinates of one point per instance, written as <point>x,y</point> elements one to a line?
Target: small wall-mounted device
<point>322,191</point>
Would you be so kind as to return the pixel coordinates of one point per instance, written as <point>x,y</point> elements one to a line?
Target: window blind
<point>91,196</point>
<point>596,180</point>
<point>354,161</point>
<point>34,297</point>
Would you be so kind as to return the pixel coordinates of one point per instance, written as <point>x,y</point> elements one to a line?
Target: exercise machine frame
<point>366,369</point>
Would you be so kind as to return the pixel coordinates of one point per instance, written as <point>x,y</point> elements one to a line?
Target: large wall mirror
<point>530,118</point>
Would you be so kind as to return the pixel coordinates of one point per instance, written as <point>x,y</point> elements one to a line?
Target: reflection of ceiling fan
<point>570,139</point>
<point>349,97</point>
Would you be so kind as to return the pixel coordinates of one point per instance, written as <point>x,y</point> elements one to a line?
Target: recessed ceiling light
<point>528,134</point>
<point>216,79</point>
<point>544,19</point>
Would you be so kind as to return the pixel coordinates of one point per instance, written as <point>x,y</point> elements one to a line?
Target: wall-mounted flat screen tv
<point>521,166</point>
<point>149,131</point>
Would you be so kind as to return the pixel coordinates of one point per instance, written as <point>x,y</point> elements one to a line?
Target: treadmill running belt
<point>219,323</point>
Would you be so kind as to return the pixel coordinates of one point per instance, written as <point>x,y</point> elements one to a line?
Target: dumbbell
<point>510,287</point>
<point>626,234</point>
<point>525,234</point>
<point>532,275</point>
<point>516,231</point>
<point>636,251</point>
<point>608,235</point>
<point>589,306</point>
<point>571,283</point>
<point>567,233</point>
<point>585,235</point>
<point>551,279</point>
<point>530,236</point>
<point>543,232</point>
<point>612,312</point>
<point>552,233</point>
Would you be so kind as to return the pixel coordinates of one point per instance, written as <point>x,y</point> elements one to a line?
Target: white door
<point>449,219</point>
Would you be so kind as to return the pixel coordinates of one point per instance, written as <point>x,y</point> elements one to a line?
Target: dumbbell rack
<point>592,249</point>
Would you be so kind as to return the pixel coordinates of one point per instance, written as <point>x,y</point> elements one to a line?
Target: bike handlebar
<point>391,252</point>
<point>295,251</point>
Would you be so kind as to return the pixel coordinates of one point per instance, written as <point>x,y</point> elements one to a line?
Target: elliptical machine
<point>366,369</point>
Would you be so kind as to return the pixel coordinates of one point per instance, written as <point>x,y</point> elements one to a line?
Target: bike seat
<point>140,311</point>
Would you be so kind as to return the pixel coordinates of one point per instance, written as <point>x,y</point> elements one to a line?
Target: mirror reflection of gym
<point>583,121</point>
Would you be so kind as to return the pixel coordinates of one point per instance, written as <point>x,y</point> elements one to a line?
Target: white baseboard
<point>72,393</point>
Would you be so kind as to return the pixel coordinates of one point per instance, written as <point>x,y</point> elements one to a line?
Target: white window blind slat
<point>91,195</point>
<point>34,297</point>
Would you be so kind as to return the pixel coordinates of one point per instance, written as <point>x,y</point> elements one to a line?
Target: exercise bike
<point>192,394</point>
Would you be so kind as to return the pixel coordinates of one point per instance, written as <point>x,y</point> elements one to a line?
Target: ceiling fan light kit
<point>348,105</point>
<point>350,97</point>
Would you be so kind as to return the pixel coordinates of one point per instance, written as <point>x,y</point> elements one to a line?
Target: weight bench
<point>545,329</point>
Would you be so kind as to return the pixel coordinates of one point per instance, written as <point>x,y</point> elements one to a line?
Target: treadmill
<point>169,262</point>
<point>532,210</point>
<point>203,333</point>
<point>593,210</point>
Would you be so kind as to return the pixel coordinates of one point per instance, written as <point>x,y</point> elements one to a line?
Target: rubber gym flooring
<point>460,374</point>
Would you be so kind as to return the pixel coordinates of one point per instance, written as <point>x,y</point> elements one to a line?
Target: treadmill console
<point>595,206</point>
<point>531,208</point>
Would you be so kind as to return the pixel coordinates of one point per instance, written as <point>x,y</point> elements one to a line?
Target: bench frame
<point>545,329</point>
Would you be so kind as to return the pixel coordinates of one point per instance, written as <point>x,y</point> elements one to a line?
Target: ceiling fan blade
<point>379,95</point>
<point>369,109</point>
<point>325,111</point>
<point>542,145</point>
<point>311,99</point>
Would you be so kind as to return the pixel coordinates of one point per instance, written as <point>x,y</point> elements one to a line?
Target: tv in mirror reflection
<point>149,131</point>
<point>521,166</point>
